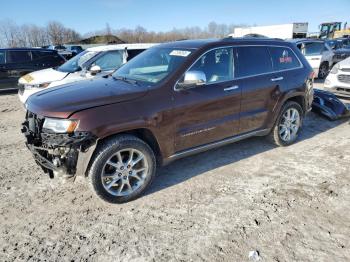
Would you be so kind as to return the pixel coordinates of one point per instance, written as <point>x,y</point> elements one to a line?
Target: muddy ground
<point>290,204</point>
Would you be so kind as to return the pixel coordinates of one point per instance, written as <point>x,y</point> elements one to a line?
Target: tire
<point>116,177</point>
<point>277,136</point>
<point>323,70</point>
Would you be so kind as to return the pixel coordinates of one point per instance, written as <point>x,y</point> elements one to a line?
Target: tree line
<point>141,34</point>
<point>13,35</point>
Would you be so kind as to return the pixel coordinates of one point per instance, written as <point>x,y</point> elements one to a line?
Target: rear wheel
<point>288,124</point>
<point>122,169</point>
<point>323,70</point>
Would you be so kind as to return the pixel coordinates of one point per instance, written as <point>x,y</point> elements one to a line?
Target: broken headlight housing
<point>58,125</point>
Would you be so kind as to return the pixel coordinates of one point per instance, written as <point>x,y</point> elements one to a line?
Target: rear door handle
<point>277,79</point>
<point>231,88</point>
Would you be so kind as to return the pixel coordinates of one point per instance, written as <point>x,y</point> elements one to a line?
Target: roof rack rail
<point>255,38</point>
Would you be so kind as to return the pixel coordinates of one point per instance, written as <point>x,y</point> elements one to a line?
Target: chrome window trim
<point>243,77</point>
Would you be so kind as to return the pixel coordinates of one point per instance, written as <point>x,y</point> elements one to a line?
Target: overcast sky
<point>162,15</point>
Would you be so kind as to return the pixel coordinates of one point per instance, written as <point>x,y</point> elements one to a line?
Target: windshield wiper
<point>127,80</point>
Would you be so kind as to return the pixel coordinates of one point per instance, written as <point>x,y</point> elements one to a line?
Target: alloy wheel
<point>289,125</point>
<point>124,172</point>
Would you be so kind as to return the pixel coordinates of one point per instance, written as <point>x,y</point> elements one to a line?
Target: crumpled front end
<point>57,154</point>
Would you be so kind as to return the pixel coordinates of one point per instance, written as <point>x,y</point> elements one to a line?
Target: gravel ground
<point>289,204</point>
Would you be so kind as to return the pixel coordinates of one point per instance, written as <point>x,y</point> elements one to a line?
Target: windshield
<point>76,63</point>
<point>335,44</point>
<point>153,65</point>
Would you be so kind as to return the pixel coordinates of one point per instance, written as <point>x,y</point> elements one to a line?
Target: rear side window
<point>48,57</point>
<point>253,60</point>
<point>2,57</point>
<point>18,56</point>
<point>283,58</point>
<point>41,54</point>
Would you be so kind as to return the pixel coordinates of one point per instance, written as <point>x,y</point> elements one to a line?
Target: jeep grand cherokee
<point>171,101</point>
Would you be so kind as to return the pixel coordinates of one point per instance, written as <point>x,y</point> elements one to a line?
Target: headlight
<point>335,69</point>
<point>43,85</point>
<point>60,125</point>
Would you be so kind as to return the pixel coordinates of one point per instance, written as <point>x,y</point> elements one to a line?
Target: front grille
<point>344,78</point>
<point>345,69</point>
<point>343,89</point>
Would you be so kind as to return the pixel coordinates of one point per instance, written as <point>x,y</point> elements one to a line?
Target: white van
<point>94,61</point>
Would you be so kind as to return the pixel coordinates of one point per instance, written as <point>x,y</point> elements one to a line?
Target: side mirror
<point>95,69</point>
<point>192,79</point>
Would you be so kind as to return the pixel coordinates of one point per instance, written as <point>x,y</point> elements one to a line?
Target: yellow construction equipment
<point>334,30</point>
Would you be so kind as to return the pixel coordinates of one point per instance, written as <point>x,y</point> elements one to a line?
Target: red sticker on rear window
<point>285,57</point>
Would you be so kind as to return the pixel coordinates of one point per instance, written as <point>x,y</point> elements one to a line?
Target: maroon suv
<point>171,101</point>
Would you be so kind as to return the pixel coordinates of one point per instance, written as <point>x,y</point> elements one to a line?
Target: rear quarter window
<point>19,56</point>
<point>45,56</point>
<point>134,52</point>
<point>253,60</point>
<point>283,58</point>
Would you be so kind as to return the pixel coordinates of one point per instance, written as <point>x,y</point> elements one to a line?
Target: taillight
<point>312,75</point>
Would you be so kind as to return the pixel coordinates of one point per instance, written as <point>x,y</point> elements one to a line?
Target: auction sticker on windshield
<point>180,53</point>
<point>28,78</point>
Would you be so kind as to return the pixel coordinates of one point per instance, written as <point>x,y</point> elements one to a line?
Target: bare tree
<point>55,31</point>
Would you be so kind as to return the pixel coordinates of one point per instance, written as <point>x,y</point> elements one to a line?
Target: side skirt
<point>203,148</point>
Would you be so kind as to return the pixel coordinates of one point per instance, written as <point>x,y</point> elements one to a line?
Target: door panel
<point>257,95</point>
<point>206,114</point>
<point>18,63</point>
<point>4,79</point>
<point>254,73</point>
<point>210,112</point>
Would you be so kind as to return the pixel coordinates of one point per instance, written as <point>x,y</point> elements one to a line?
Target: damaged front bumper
<point>58,154</point>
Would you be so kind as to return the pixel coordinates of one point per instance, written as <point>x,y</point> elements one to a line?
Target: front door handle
<point>231,88</point>
<point>277,79</point>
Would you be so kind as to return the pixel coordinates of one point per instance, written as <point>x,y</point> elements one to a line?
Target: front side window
<point>253,60</point>
<point>217,65</point>
<point>19,56</point>
<point>153,65</point>
<point>2,57</point>
<point>110,60</point>
<point>77,63</point>
<point>283,58</point>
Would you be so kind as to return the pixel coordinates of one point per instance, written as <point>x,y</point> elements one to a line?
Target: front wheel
<point>323,70</point>
<point>122,169</point>
<point>288,124</point>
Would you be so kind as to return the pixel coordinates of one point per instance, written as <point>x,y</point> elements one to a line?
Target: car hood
<point>345,63</point>
<point>342,51</point>
<point>64,100</point>
<point>42,76</point>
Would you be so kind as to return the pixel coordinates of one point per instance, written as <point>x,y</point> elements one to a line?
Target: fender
<point>282,100</point>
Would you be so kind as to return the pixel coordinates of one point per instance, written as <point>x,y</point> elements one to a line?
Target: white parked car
<point>338,80</point>
<point>94,61</point>
<point>318,54</point>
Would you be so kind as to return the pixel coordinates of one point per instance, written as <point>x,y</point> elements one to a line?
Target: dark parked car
<point>171,101</point>
<point>16,62</point>
<point>341,48</point>
<point>75,49</point>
